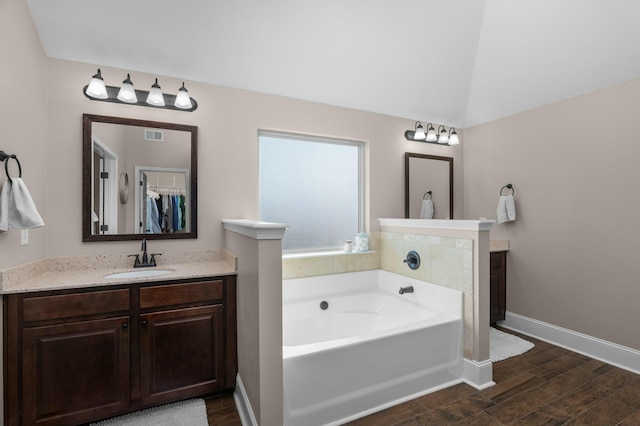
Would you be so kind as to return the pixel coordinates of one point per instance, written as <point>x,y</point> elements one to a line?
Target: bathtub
<point>371,347</point>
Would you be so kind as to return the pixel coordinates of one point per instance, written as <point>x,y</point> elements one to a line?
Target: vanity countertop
<point>90,271</point>
<point>498,245</point>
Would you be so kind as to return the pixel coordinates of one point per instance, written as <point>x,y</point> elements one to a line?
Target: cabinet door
<point>76,372</point>
<point>181,353</point>
<point>498,280</point>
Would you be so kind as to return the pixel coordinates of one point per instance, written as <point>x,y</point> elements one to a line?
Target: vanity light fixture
<point>441,137</point>
<point>96,90</point>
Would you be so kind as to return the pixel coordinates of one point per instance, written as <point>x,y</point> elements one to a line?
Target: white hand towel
<point>427,209</point>
<point>17,209</point>
<point>506,210</point>
<point>510,203</point>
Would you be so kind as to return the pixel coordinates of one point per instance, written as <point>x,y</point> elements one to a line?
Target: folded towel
<point>17,209</point>
<point>427,209</point>
<point>506,210</point>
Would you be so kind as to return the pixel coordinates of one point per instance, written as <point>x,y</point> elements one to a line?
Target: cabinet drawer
<point>497,260</point>
<point>180,294</point>
<point>64,306</point>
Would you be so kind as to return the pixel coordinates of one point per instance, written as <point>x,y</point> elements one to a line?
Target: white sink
<point>142,273</point>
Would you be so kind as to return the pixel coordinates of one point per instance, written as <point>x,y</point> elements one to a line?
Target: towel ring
<point>424,197</point>
<point>5,157</point>
<point>508,186</point>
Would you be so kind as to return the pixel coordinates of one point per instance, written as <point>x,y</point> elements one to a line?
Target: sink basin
<point>142,273</point>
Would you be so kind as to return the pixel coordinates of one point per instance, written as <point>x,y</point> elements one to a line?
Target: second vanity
<point>81,347</point>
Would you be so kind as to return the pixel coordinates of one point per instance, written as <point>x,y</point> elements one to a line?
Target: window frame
<point>362,195</point>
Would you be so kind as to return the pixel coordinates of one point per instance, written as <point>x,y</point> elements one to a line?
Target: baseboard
<point>247,418</point>
<point>611,353</point>
<point>478,374</point>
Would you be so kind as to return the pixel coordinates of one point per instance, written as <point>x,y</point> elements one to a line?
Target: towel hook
<point>508,186</point>
<point>5,157</point>
<point>424,197</point>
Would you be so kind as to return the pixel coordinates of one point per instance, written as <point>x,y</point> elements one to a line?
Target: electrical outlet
<point>24,237</point>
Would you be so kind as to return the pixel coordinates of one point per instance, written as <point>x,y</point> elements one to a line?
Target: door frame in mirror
<point>87,145</point>
<point>407,158</point>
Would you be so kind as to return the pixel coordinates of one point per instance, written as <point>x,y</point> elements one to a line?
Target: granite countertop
<point>498,245</point>
<point>69,272</point>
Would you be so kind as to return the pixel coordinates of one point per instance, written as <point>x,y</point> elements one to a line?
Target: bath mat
<point>192,412</point>
<point>504,345</point>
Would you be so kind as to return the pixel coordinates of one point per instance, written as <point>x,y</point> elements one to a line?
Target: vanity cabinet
<point>498,282</point>
<point>73,357</point>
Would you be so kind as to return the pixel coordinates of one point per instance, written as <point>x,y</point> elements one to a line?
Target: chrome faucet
<point>146,262</point>
<point>408,289</point>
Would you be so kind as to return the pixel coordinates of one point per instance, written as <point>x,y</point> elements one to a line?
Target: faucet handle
<point>153,258</point>
<point>137,261</point>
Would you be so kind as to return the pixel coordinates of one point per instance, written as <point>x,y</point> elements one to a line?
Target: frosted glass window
<point>313,185</point>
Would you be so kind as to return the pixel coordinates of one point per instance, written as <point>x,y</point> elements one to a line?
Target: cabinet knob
<point>144,322</point>
<point>125,325</point>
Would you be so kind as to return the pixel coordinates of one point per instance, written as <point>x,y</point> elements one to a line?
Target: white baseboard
<point>478,374</point>
<point>611,353</point>
<point>247,418</point>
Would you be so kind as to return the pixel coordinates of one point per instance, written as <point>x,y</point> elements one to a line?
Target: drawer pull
<point>124,325</point>
<point>144,322</point>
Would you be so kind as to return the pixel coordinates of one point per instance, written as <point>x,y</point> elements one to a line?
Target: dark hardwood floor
<point>221,411</point>
<point>546,386</point>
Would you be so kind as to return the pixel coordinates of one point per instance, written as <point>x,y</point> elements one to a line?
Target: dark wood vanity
<point>498,281</point>
<point>77,356</point>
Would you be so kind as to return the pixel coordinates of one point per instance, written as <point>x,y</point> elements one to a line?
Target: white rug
<point>504,345</point>
<point>192,412</point>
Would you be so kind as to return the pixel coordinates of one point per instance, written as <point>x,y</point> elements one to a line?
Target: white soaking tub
<point>371,347</point>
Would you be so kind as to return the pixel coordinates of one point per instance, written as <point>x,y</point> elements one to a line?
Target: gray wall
<point>574,245</point>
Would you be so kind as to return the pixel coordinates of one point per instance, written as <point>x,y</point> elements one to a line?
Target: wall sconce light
<point>442,136</point>
<point>96,90</point>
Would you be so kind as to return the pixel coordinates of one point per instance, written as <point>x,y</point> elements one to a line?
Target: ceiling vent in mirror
<point>153,135</point>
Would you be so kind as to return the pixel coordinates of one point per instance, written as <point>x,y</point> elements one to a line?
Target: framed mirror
<point>428,186</point>
<point>139,179</point>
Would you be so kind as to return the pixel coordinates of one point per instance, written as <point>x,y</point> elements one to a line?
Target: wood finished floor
<point>546,386</point>
<point>221,411</point>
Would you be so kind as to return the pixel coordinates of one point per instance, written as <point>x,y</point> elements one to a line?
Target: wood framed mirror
<point>428,177</point>
<point>139,179</point>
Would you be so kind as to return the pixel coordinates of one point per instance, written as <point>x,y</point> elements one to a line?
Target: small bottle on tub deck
<point>348,246</point>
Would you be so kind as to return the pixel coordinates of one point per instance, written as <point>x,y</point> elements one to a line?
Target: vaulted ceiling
<point>456,62</point>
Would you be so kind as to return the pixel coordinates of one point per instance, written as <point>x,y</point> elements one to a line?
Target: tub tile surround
<point>63,272</point>
<point>301,265</point>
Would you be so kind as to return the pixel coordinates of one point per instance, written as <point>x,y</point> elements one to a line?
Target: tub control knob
<point>413,260</point>
<point>324,305</point>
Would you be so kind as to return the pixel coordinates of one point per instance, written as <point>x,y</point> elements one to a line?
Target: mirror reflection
<point>428,186</point>
<point>139,179</point>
